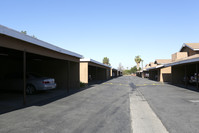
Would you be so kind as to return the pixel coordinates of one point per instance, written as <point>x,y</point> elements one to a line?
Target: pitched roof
<point>190,59</point>
<point>151,64</point>
<point>162,61</point>
<point>193,46</point>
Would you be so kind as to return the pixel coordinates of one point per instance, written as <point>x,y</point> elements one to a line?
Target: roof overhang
<point>114,69</point>
<point>185,45</point>
<point>156,67</point>
<point>182,62</point>
<point>18,35</point>
<point>94,61</point>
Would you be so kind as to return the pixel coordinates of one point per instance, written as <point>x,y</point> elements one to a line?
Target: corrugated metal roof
<point>94,61</point>
<point>18,35</point>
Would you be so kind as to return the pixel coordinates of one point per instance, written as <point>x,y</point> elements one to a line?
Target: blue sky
<point>117,29</point>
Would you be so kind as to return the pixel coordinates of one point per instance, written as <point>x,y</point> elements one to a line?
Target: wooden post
<point>68,77</point>
<point>24,77</point>
<point>186,76</point>
<point>197,75</point>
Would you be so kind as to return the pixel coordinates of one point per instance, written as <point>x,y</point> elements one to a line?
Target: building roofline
<point>156,67</point>
<point>185,45</point>
<point>18,35</point>
<point>94,61</point>
<point>182,62</point>
<point>115,69</point>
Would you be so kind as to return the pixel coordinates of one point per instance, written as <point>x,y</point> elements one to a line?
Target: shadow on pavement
<point>11,101</point>
<point>189,87</point>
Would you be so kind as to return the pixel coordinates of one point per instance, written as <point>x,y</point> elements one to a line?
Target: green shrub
<point>82,84</point>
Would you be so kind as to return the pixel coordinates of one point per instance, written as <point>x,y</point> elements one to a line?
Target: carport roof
<point>114,69</point>
<point>190,59</point>
<point>18,35</point>
<point>94,61</point>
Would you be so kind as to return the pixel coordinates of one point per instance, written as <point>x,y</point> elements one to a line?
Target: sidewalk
<point>144,120</point>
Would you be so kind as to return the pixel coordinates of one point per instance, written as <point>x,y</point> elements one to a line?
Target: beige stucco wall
<point>84,72</point>
<point>165,74</point>
<point>189,51</point>
<point>178,55</point>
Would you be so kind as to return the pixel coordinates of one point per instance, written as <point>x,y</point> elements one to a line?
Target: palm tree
<point>138,60</point>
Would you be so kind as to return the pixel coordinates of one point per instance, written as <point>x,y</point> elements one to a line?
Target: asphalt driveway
<point>101,108</point>
<point>105,108</point>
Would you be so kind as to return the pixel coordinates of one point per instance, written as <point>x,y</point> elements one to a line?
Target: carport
<point>115,72</point>
<point>120,73</point>
<point>185,71</point>
<point>91,71</point>
<point>20,53</point>
<point>159,73</point>
<point>153,73</point>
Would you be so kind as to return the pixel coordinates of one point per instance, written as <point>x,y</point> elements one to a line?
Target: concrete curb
<point>143,119</point>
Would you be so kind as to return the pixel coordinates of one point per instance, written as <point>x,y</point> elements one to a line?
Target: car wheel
<point>30,89</point>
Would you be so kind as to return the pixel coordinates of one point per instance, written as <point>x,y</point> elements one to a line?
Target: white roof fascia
<point>159,66</point>
<point>18,35</point>
<point>150,68</point>
<point>182,46</point>
<point>183,62</point>
<point>94,61</point>
<point>145,70</point>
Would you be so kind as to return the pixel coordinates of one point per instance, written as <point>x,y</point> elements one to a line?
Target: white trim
<point>150,68</point>
<point>94,61</point>
<point>156,67</point>
<point>159,66</point>
<point>18,35</point>
<point>182,62</point>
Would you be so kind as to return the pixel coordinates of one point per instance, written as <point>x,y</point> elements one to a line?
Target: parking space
<point>114,72</point>
<point>29,65</point>
<point>92,71</point>
<point>153,74</point>
<point>185,74</point>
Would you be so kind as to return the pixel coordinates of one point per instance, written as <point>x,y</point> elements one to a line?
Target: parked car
<point>34,82</point>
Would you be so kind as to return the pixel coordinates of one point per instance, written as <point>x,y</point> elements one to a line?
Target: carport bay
<point>18,55</point>
<point>92,71</point>
<point>184,72</point>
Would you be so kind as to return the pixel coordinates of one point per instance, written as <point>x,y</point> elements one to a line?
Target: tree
<point>120,67</point>
<point>24,32</point>
<point>106,61</point>
<point>138,60</point>
<point>130,71</point>
<point>133,69</point>
<point>34,36</point>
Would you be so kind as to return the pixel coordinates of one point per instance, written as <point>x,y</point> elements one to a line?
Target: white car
<point>34,83</point>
